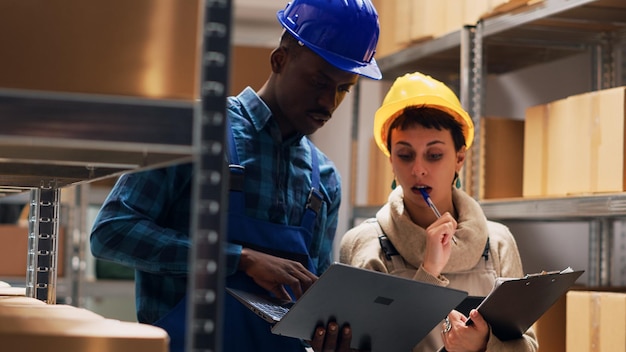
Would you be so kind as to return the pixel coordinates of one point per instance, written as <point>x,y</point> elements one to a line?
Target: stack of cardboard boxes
<point>405,22</point>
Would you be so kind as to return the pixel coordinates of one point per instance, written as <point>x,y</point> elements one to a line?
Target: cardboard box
<point>608,148</point>
<point>14,251</point>
<point>535,165</point>
<point>562,147</point>
<point>576,145</point>
<point>550,328</point>
<point>596,321</point>
<point>380,176</point>
<point>502,157</point>
<point>428,19</point>
<point>74,330</point>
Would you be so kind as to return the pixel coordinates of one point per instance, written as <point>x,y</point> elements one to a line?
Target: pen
<point>432,206</point>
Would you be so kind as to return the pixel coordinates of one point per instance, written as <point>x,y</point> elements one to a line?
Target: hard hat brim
<point>369,70</point>
<point>386,114</point>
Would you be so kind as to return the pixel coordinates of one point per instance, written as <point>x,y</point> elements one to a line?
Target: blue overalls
<point>243,330</point>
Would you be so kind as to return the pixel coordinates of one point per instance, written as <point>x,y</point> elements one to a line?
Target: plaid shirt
<point>144,222</point>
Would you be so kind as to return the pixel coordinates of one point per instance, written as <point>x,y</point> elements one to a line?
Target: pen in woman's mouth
<point>432,206</point>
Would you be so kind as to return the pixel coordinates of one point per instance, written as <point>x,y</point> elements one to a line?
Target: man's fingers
<point>318,338</point>
<point>346,338</point>
<point>332,332</point>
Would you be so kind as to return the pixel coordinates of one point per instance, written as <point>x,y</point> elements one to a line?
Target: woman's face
<point>425,157</point>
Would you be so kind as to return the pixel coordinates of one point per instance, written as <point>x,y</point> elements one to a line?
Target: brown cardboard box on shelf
<point>501,161</point>
<point>28,326</point>
<point>563,141</point>
<point>380,176</point>
<point>535,151</point>
<point>608,145</point>
<point>596,321</point>
<point>14,251</point>
<point>576,145</point>
<point>550,328</point>
<point>151,51</point>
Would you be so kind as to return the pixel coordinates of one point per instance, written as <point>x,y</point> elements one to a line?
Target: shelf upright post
<point>75,238</point>
<point>600,243</point>
<point>604,61</point>
<point>210,184</point>
<point>471,94</point>
<point>43,229</point>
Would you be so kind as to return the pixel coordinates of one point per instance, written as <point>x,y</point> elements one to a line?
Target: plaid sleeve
<point>128,229</point>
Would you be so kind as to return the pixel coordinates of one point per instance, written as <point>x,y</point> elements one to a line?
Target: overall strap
<point>315,199</point>
<point>394,259</point>
<point>236,170</point>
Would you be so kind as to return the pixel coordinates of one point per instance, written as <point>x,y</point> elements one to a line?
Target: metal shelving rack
<point>541,32</point>
<point>101,136</point>
<point>51,139</point>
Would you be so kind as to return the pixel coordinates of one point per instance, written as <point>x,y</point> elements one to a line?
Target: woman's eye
<point>405,156</point>
<point>435,156</point>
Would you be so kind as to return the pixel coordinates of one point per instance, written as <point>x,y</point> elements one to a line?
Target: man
<point>282,223</point>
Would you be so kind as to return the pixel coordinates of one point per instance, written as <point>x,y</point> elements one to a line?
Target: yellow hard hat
<point>417,89</point>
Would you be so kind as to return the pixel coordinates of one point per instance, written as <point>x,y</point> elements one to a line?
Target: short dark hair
<point>290,43</point>
<point>430,118</point>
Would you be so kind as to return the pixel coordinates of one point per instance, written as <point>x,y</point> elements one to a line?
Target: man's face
<point>309,89</point>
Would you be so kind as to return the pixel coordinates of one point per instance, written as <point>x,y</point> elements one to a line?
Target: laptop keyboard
<point>273,310</point>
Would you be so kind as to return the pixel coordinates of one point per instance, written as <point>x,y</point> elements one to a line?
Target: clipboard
<point>516,304</point>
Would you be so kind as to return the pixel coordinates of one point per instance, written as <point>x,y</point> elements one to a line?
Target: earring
<point>393,184</point>
<point>457,180</point>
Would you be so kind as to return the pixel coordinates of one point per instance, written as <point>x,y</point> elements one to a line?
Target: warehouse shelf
<point>97,288</point>
<point>570,208</point>
<point>82,100</point>
<point>540,32</point>
<point>72,137</point>
<point>535,33</point>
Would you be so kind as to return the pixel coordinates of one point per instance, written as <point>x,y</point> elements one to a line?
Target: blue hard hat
<point>343,32</point>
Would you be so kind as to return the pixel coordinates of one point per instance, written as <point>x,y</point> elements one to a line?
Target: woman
<point>425,132</point>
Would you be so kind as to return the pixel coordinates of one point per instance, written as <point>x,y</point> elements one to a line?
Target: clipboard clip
<point>543,272</point>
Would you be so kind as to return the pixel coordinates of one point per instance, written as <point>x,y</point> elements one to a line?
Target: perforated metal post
<point>600,242</point>
<point>471,94</point>
<point>210,181</point>
<point>43,229</point>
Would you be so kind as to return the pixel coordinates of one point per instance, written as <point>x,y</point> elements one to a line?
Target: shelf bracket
<point>43,230</point>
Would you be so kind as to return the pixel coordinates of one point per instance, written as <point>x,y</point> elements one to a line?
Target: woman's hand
<point>465,338</point>
<point>439,244</point>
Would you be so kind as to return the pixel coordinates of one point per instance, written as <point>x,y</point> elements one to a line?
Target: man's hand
<point>273,273</point>
<point>332,339</point>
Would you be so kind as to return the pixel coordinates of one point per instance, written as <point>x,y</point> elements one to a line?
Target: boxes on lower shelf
<point>596,321</point>
<point>550,328</point>
<point>576,145</point>
<point>27,324</point>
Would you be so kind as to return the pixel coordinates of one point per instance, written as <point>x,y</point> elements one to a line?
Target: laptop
<point>385,312</point>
